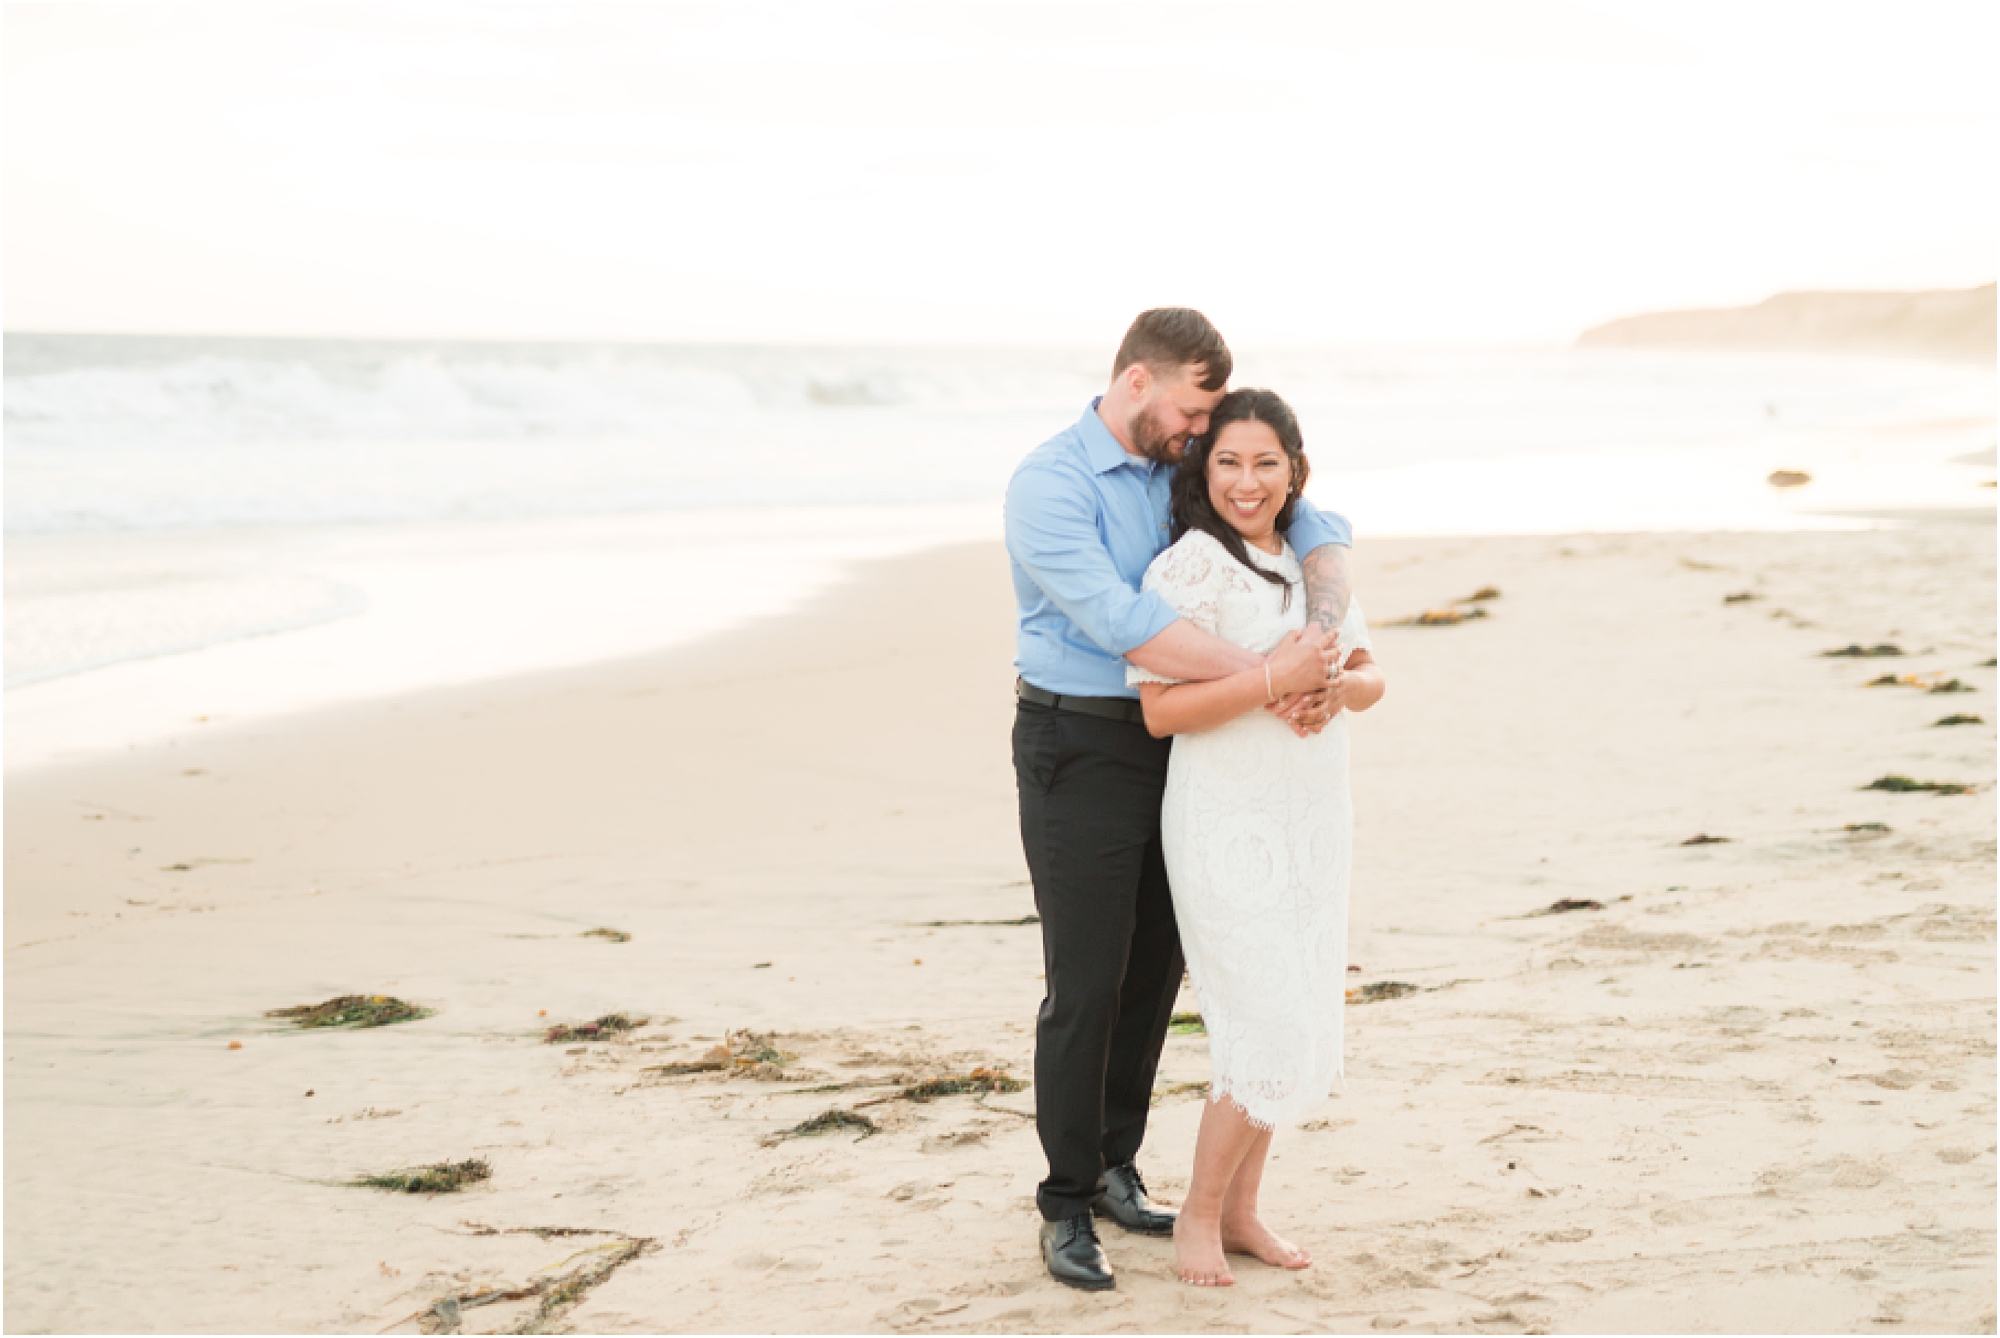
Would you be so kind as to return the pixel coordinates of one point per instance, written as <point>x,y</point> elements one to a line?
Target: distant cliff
<point>1955,324</point>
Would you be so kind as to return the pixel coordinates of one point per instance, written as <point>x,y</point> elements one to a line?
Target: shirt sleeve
<point>1313,528</point>
<point>1189,577</point>
<point>1052,533</point>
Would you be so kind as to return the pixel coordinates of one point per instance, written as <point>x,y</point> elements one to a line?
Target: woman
<point>1256,824</point>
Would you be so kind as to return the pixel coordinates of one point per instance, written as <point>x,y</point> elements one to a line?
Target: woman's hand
<point>1356,687</point>
<point>1305,712</point>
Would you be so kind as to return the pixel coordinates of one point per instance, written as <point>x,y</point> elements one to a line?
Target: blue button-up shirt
<point>1085,518</point>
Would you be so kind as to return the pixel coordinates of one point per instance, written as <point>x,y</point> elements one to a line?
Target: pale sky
<point>1005,172</point>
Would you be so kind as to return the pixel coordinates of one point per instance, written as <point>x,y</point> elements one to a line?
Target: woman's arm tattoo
<point>1327,587</point>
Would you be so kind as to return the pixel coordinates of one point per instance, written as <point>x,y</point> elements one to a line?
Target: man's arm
<point>1052,533</point>
<point>1186,652</point>
<point>1184,708</point>
<point>1322,540</point>
<point>1328,589</point>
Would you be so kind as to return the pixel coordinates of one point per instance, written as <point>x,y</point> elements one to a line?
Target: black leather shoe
<point>1074,1257</point>
<point>1124,1202</point>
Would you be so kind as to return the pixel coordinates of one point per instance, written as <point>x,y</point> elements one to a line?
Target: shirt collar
<point>1103,449</point>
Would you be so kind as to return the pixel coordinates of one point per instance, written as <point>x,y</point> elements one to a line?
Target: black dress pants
<point>1090,793</point>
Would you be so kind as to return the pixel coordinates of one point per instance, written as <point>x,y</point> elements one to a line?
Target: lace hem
<point>1270,1113</point>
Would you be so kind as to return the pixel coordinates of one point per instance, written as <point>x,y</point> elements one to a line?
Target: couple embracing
<point>1187,646</point>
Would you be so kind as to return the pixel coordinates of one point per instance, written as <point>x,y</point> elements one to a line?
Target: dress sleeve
<point>1354,630</point>
<point>1188,577</point>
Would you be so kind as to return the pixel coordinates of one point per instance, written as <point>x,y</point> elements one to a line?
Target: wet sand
<point>1754,1091</point>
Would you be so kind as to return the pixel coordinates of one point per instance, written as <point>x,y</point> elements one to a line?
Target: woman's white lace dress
<point>1258,832</point>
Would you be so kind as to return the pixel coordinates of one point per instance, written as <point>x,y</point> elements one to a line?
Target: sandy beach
<point>1748,1087</point>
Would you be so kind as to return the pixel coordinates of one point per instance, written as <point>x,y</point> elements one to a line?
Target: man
<point>1086,515</point>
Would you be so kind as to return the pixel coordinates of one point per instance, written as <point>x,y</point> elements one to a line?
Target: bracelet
<point>1269,695</point>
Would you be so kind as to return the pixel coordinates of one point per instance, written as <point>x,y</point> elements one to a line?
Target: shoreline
<point>429,606</point>
<point>405,608</point>
<point>1571,1114</point>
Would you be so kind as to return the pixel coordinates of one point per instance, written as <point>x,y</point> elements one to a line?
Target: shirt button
<point>1163,524</point>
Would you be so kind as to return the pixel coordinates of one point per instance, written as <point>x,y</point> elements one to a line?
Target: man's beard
<point>1153,441</point>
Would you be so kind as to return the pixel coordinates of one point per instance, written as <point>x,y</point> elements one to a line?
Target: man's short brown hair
<point>1167,339</point>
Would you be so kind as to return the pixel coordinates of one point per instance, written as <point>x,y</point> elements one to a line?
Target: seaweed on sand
<point>1484,592</point>
<point>559,1293</point>
<point>1927,682</point>
<point>983,1081</point>
<point>1957,720</point>
<point>1866,827</point>
<point>592,1031</point>
<point>859,1084</point>
<point>1003,924</point>
<point>826,1122</point>
<point>351,1010</point>
<point>1379,990</point>
<point>1169,1091</point>
<point>1704,839</point>
<point>1438,618</point>
<point>1565,906</point>
<point>1741,597</point>
<point>1860,652</point>
<point>687,1067</point>
<point>745,1051</point>
<point>443,1177</point>
<point>1187,1024</point>
<point>568,1291</point>
<point>612,935</point>
<point>1904,785</point>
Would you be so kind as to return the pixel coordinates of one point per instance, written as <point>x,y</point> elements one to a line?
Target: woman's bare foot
<point>1249,1235</point>
<point>1198,1253</point>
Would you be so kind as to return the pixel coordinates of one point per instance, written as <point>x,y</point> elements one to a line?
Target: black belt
<point>1108,708</point>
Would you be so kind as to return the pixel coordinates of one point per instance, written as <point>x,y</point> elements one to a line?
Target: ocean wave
<point>213,399</point>
<point>100,390</point>
<point>137,433</point>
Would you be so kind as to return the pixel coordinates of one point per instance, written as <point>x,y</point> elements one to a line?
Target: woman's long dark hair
<point>1189,503</point>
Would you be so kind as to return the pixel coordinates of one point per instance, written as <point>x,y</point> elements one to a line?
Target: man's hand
<point>1357,687</point>
<point>1308,712</point>
<point>1299,663</point>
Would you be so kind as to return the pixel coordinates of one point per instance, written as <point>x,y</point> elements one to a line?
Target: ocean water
<point>124,433</point>
<point>382,515</point>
